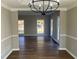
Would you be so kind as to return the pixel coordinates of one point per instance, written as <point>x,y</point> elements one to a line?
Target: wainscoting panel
<point>6,47</point>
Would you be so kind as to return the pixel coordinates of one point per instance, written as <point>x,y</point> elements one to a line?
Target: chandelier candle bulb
<point>40,5</point>
<point>51,4</point>
<point>57,0</point>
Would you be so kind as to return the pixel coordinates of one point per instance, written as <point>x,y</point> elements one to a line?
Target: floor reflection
<point>22,41</point>
<point>40,42</point>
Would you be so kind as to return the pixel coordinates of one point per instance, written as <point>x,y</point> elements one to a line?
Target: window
<point>40,26</point>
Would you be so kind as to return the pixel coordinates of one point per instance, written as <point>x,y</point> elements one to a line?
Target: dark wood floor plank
<point>38,48</point>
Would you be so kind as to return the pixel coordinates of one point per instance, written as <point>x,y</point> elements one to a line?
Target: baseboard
<point>55,40</point>
<point>11,52</point>
<point>8,54</point>
<point>71,54</point>
<point>62,49</point>
<point>58,49</point>
<point>68,52</point>
<point>35,35</point>
<point>15,49</point>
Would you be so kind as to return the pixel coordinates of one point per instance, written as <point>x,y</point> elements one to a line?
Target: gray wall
<point>55,17</point>
<point>71,41</point>
<point>14,25</point>
<point>63,24</point>
<point>47,25</point>
<point>68,30</point>
<point>30,24</point>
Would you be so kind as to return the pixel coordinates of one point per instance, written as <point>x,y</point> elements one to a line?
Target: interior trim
<point>8,37</point>
<point>5,6</point>
<point>71,54</point>
<point>8,54</point>
<point>72,37</point>
<point>11,52</point>
<point>24,9</point>
<point>68,52</point>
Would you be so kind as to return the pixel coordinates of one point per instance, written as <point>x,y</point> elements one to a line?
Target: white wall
<point>9,32</point>
<point>6,43</point>
<point>14,22</point>
<point>68,33</point>
<point>71,39</point>
<point>63,19</point>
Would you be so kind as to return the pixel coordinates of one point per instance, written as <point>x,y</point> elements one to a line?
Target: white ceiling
<point>23,4</point>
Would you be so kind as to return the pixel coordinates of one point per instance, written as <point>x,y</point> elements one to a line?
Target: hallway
<point>38,48</point>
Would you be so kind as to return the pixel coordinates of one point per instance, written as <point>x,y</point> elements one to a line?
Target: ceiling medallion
<point>44,6</point>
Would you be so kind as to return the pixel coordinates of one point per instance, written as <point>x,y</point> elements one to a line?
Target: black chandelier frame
<point>43,12</point>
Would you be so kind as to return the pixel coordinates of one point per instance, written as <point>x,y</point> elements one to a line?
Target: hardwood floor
<point>38,48</point>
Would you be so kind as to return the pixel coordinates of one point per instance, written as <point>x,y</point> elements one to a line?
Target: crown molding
<point>28,9</point>
<point>20,9</point>
<point>62,9</point>
<point>5,6</point>
<point>73,5</point>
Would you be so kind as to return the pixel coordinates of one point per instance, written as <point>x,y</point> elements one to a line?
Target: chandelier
<point>44,6</point>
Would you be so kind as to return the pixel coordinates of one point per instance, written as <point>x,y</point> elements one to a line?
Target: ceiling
<point>23,4</point>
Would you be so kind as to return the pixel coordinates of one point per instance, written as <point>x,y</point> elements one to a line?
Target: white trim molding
<point>16,49</point>
<point>8,37</point>
<point>28,9</point>
<point>55,39</point>
<point>72,37</point>
<point>71,54</point>
<point>61,48</point>
<point>14,35</point>
<point>24,9</point>
<point>11,52</point>
<point>73,6</point>
<point>35,35</point>
<point>8,54</point>
<point>68,52</point>
<point>4,40</point>
<point>5,6</point>
<point>62,35</point>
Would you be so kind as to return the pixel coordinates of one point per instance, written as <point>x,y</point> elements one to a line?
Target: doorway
<point>35,26</point>
<point>21,27</point>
